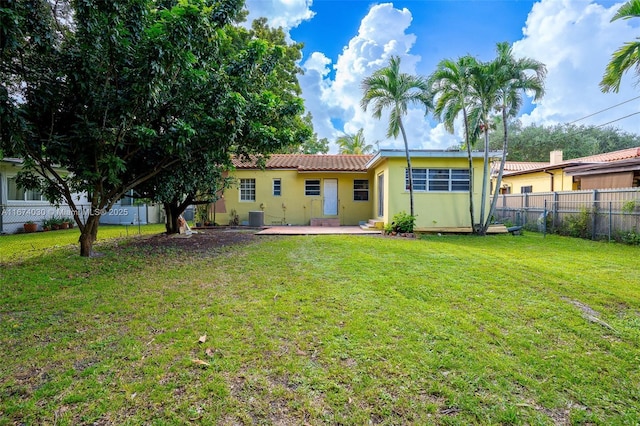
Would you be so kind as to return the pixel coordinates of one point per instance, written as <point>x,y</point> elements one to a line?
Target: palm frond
<point>630,9</point>
<point>622,60</point>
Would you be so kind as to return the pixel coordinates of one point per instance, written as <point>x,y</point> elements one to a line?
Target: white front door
<point>330,200</point>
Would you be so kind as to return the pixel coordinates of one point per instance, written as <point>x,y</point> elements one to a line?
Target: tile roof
<point>622,154</point>
<point>516,166</point>
<point>520,167</point>
<point>309,162</point>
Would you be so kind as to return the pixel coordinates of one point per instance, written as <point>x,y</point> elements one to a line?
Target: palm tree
<point>389,88</point>
<point>354,144</point>
<point>451,86</point>
<point>627,56</point>
<point>515,76</point>
<point>483,98</point>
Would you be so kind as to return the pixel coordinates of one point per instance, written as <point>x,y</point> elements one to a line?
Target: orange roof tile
<point>622,154</point>
<point>520,167</point>
<point>516,166</point>
<point>310,162</point>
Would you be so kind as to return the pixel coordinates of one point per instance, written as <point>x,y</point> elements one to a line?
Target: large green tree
<point>95,87</point>
<point>388,88</point>
<point>312,145</point>
<point>451,86</point>
<point>354,144</point>
<point>240,98</point>
<point>627,56</point>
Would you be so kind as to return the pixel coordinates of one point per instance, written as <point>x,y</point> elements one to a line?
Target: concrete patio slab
<point>316,230</point>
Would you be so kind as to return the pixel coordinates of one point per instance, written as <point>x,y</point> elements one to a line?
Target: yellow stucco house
<point>616,169</point>
<point>333,190</point>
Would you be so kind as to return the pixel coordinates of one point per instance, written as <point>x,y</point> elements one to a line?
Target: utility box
<point>256,219</point>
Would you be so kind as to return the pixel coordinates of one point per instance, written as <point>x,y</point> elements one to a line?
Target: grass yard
<point>324,330</point>
<point>19,247</point>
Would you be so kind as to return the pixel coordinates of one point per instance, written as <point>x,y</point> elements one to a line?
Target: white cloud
<point>382,34</point>
<point>280,13</point>
<point>575,40</point>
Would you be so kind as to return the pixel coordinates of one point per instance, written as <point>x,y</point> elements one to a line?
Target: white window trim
<point>450,181</point>
<point>23,201</point>
<point>273,187</point>
<point>240,189</point>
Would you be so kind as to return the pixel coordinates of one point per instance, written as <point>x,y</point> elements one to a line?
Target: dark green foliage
<point>140,94</point>
<point>630,237</point>
<point>577,225</point>
<point>312,145</point>
<point>533,143</point>
<point>401,223</point>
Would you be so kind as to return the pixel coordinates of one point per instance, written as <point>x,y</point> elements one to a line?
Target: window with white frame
<point>526,189</point>
<point>277,187</point>
<point>312,187</point>
<point>419,179</point>
<point>432,180</point>
<point>360,190</point>
<point>247,189</point>
<point>17,193</point>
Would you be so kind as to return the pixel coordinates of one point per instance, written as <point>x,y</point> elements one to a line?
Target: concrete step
<point>373,224</point>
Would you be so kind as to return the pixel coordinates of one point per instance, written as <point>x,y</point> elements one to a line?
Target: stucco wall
<point>432,209</point>
<point>540,182</point>
<point>298,207</point>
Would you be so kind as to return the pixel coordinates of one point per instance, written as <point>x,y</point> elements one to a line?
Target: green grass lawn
<point>325,330</point>
<point>18,247</point>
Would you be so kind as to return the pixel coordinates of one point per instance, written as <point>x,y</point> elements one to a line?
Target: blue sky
<point>346,41</point>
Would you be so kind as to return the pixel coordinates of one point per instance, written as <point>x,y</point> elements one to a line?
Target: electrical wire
<point>606,109</point>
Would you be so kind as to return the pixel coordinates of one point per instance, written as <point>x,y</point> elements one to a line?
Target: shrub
<point>402,223</point>
<point>628,237</point>
<point>577,225</point>
<point>629,206</point>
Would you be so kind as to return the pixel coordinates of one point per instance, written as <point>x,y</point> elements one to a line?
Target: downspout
<point>552,176</point>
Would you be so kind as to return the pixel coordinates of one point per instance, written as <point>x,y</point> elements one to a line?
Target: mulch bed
<point>207,241</point>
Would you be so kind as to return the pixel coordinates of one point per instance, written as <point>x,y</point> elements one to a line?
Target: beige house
<point>617,169</point>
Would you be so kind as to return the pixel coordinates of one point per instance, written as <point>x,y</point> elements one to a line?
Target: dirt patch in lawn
<point>208,241</point>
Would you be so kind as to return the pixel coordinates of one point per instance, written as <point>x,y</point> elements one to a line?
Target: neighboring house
<point>18,205</point>
<point>336,190</point>
<point>131,211</point>
<point>617,169</point>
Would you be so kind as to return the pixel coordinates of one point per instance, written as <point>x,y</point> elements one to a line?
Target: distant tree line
<point>533,143</point>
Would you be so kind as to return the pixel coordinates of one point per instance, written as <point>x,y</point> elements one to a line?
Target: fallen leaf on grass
<point>210,352</point>
<point>202,339</point>
<point>200,362</point>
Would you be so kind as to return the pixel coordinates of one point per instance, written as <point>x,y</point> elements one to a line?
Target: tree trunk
<point>470,158</point>
<point>484,222</point>
<point>88,234</point>
<point>501,172</point>
<point>172,214</point>
<point>409,168</point>
<point>173,210</point>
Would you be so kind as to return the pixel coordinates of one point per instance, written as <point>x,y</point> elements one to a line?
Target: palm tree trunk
<point>502,161</point>
<point>468,142</point>
<point>484,221</point>
<point>409,168</point>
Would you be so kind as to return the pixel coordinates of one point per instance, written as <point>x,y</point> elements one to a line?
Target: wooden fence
<point>603,213</point>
